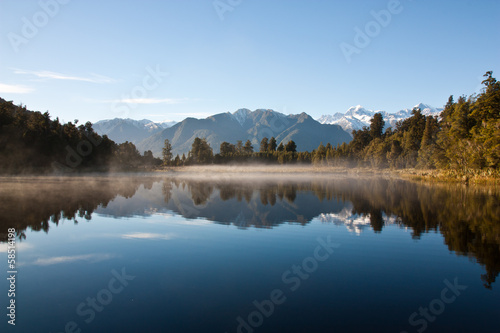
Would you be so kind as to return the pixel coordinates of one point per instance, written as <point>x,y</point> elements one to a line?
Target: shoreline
<point>482,177</point>
<point>471,177</point>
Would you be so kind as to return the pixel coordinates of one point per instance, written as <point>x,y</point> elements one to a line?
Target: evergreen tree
<point>272,144</point>
<point>376,126</point>
<point>264,145</point>
<point>167,152</point>
<point>239,146</point>
<point>460,121</point>
<point>427,151</point>
<point>393,156</point>
<point>291,147</point>
<point>227,149</point>
<point>248,148</point>
<point>201,152</point>
<point>320,154</point>
<point>280,147</point>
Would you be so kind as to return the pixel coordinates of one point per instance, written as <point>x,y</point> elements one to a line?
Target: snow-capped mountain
<point>356,223</point>
<point>121,130</point>
<point>241,115</point>
<point>244,124</point>
<point>356,117</point>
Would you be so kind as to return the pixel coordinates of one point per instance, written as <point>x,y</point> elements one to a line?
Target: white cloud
<point>95,257</point>
<point>94,78</point>
<point>146,235</point>
<point>19,246</point>
<point>14,89</point>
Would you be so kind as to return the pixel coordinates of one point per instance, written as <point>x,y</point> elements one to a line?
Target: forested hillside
<point>465,136</point>
<point>31,142</point>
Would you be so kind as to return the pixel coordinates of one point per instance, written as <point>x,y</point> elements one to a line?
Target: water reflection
<point>467,217</point>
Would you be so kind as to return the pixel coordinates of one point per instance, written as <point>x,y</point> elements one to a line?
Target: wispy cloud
<point>146,235</point>
<point>19,246</point>
<point>48,75</point>
<point>14,89</point>
<point>94,257</point>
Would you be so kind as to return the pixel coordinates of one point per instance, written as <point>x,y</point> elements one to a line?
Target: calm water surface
<point>270,254</point>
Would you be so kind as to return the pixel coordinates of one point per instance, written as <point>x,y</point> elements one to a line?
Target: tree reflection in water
<point>467,217</point>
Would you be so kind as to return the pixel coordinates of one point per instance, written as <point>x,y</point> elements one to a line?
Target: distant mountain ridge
<point>121,130</point>
<point>245,124</point>
<point>356,117</point>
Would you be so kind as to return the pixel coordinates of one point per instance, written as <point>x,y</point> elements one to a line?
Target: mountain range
<point>121,130</point>
<point>245,124</point>
<point>356,117</point>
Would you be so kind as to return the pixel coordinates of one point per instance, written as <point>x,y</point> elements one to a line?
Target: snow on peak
<point>166,123</point>
<point>357,116</point>
<point>241,115</point>
<point>355,223</point>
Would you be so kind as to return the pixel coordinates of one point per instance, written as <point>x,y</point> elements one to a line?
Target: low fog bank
<point>255,171</point>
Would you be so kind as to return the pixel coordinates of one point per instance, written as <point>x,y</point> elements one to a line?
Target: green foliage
<point>248,148</point>
<point>167,152</point>
<point>264,145</point>
<point>227,149</point>
<point>428,145</point>
<point>465,137</point>
<point>377,126</point>
<point>291,147</point>
<point>281,147</point>
<point>201,152</point>
<point>32,142</point>
<point>272,144</point>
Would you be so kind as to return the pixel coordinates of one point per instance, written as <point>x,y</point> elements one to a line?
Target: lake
<point>260,253</point>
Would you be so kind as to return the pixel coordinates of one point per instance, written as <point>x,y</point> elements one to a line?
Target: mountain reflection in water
<point>467,217</point>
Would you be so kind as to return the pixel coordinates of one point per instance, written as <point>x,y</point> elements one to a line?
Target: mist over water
<point>204,246</point>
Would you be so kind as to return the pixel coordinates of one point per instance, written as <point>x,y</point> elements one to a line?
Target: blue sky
<point>167,60</point>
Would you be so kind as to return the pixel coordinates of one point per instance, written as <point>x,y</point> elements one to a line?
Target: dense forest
<point>31,142</point>
<point>467,217</point>
<point>465,137</point>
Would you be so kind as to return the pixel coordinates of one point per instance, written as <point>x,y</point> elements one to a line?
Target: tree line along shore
<point>463,143</point>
